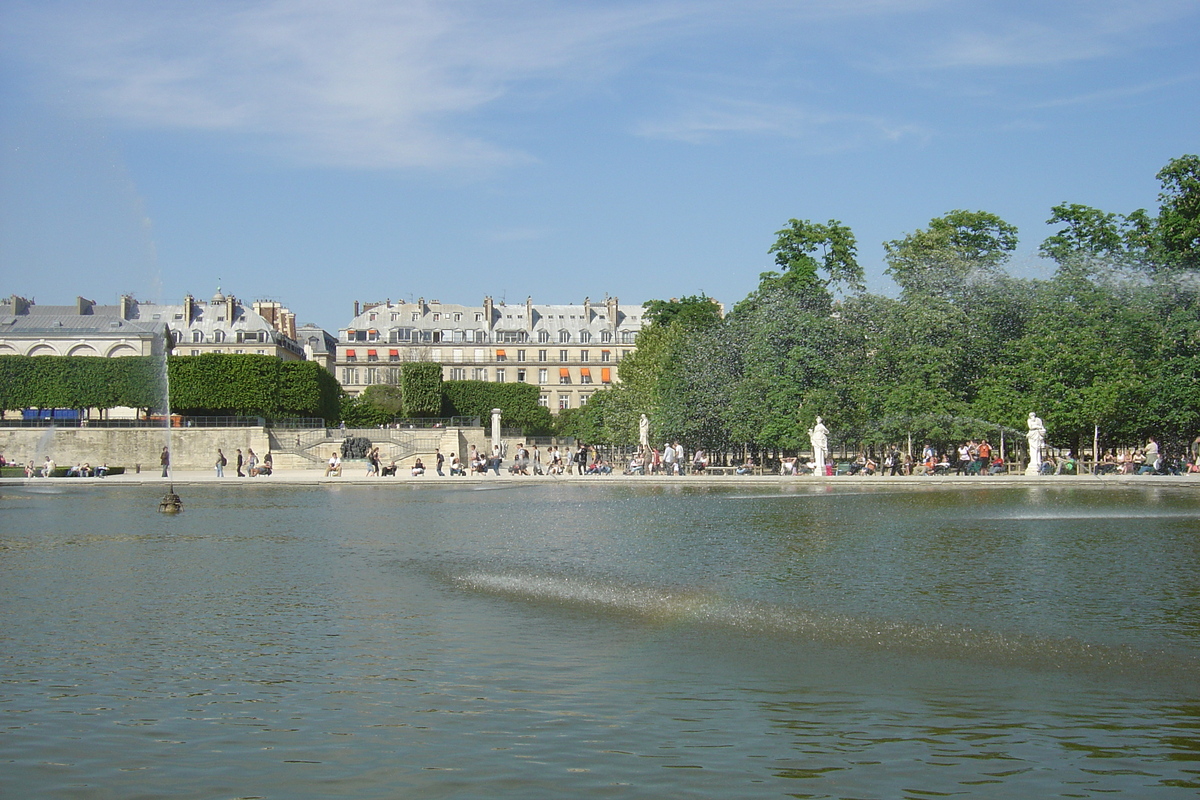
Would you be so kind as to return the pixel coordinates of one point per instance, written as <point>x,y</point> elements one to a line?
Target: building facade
<point>567,351</point>
<point>82,329</point>
<point>221,325</point>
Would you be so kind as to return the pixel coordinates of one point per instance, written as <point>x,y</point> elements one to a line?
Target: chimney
<point>487,311</point>
<point>529,313</point>
<point>230,308</point>
<point>189,308</point>
<point>127,306</point>
<point>356,309</point>
<point>20,305</point>
<point>613,309</point>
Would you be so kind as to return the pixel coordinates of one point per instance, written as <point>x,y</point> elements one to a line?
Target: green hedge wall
<point>421,385</point>
<point>213,384</point>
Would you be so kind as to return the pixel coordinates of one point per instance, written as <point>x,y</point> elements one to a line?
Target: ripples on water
<point>583,640</point>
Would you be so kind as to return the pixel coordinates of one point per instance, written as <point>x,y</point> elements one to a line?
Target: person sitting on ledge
<point>418,468</point>
<point>747,468</point>
<point>75,471</point>
<point>389,471</point>
<point>335,465</point>
<point>102,470</point>
<point>456,466</point>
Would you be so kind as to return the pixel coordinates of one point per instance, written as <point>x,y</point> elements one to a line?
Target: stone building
<point>82,329</point>
<point>567,351</point>
<point>221,325</point>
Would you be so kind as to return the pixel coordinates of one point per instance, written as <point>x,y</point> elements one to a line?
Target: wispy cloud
<point>359,83</point>
<point>409,83</point>
<point>711,120</point>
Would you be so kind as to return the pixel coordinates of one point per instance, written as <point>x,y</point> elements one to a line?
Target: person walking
<point>239,463</point>
<point>221,462</point>
<point>441,459</point>
<point>165,459</point>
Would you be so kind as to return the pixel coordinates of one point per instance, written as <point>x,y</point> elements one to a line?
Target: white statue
<point>644,432</point>
<point>1037,440</point>
<point>818,435</point>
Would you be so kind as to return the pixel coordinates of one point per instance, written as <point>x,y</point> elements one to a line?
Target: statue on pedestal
<point>1037,441</point>
<point>644,432</point>
<point>818,436</point>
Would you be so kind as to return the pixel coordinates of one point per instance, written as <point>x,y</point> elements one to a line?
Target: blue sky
<point>319,152</point>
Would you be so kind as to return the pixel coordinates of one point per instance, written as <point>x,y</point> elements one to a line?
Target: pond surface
<point>583,640</point>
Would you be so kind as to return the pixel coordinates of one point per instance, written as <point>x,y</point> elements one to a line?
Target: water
<point>589,640</point>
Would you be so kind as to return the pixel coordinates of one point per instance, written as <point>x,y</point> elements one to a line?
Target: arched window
<point>585,337</point>
<point>543,336</point>
<point>197,336</point>
<point>564,337</point>
<point>218,336</point>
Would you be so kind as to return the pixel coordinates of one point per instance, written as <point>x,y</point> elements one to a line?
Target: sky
<point>319,152</point>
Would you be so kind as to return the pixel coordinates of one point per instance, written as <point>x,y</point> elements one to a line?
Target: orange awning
<point>605,375</point>
<point>563,372</point>
<point>585,372</point>
<point>372,352</point>
<point>500,354</point>
<point>393,352</point>
<point>349,354</point>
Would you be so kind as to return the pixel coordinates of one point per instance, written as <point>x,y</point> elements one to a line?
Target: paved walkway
<point>315,477</point>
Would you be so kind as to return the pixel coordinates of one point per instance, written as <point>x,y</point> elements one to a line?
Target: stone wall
<point>191,448</point>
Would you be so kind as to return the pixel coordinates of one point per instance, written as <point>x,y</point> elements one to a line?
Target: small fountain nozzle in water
<point>170,504</point>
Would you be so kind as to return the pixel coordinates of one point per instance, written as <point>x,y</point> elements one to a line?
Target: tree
<point>815,261</point>
<point>1179,213</point>
<point>956,251</point>
<point>695,311</point>
<point>1091,237</point>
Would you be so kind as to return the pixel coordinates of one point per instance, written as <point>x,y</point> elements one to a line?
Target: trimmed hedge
<point>421,385</point>
<point>218,384</point>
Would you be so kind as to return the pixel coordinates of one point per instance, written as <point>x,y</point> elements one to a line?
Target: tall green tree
<point>816,261</point>
<point>957,250</point>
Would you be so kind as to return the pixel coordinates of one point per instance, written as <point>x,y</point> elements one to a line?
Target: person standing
<point>165,459</point>
<point>441,459</point>
<point>680,463</point>
<point>240,461</point>
<point>221,462</point>
<point>251,462</point>
<point>668,457</point>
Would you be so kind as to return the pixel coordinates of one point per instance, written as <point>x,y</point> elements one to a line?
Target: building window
<point>458,355</point>
<point>543,336</point>
<point>458,373</point>
<point>372,355</point>
<point>520,355</point>
<point>520,376</point>
<point>261,352</point>
<point>564,376</point>
<point>372,376</point>
<point>585,375</point>
<point>393,355</point>
<point>564,337</point>
<point>543,376</point>
<point>197,336</point>
<point>195,352</point>
<point>416,315</point>
<point>564,355</point>
<point>544,400</point>
<point>393,376</point>
<point>585,337</point>
<point>479,356</point>
<point>606,355</point>
<point>564,402</point>
<point>501,355</point>
<point>605,337</point>
<point>627,337</point>
<point>583,398</point>
<point>218,336</point>
<point>542,355</point>
<point>480,374</point>
<point>583,355</point>
<point>499,376</point>
<point>349,376</point>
